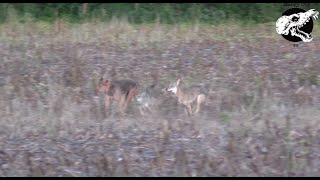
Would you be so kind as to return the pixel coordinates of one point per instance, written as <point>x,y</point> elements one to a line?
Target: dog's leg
<point>132,93</point>
<point>122,104</point>
<point>107,100</point>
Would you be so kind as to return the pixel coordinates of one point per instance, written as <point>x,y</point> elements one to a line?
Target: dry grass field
<point>261,117</point>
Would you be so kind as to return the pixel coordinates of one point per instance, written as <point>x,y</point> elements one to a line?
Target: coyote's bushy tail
<point>200,99</point>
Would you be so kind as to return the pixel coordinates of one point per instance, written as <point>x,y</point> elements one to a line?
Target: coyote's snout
<point>122,91</point>
<point>187,96</point>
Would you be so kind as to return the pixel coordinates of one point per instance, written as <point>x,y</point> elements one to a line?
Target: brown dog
<point>122,91</point>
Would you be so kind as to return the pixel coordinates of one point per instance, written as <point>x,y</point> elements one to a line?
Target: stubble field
<point>260,118</point>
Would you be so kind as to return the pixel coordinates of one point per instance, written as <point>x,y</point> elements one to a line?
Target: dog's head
<point>103,86</point>
<point>173,87</point>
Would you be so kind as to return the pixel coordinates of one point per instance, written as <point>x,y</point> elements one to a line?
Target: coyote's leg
<point>189,109</point>
<point>200,100</point>
<point>141,109</point>
<point>151,110</point>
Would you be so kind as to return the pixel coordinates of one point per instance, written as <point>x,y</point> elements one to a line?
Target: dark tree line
<point>149,12</point>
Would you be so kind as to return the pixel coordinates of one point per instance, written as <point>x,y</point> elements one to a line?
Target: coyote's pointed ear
<point>178,82</point>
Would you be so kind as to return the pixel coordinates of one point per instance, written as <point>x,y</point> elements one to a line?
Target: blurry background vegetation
<point>146,12</point>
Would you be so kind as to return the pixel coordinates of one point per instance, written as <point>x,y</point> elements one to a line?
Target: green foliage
<point>169,13</point>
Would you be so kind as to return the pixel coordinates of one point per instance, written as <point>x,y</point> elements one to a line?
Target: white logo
<point>299,25</point>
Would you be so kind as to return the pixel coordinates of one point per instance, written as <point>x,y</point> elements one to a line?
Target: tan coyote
<point>122,91</point>
<point>187,96</point>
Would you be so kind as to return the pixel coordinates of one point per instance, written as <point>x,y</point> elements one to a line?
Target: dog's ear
<point>101,80</point>
<point>178,82</point>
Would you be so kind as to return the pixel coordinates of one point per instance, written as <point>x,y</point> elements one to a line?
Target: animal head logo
<point>296,24</point>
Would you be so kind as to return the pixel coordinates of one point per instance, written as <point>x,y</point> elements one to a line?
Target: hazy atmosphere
<point>260,115</point>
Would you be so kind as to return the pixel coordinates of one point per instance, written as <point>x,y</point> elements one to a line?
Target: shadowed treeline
<point>149,12</point>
